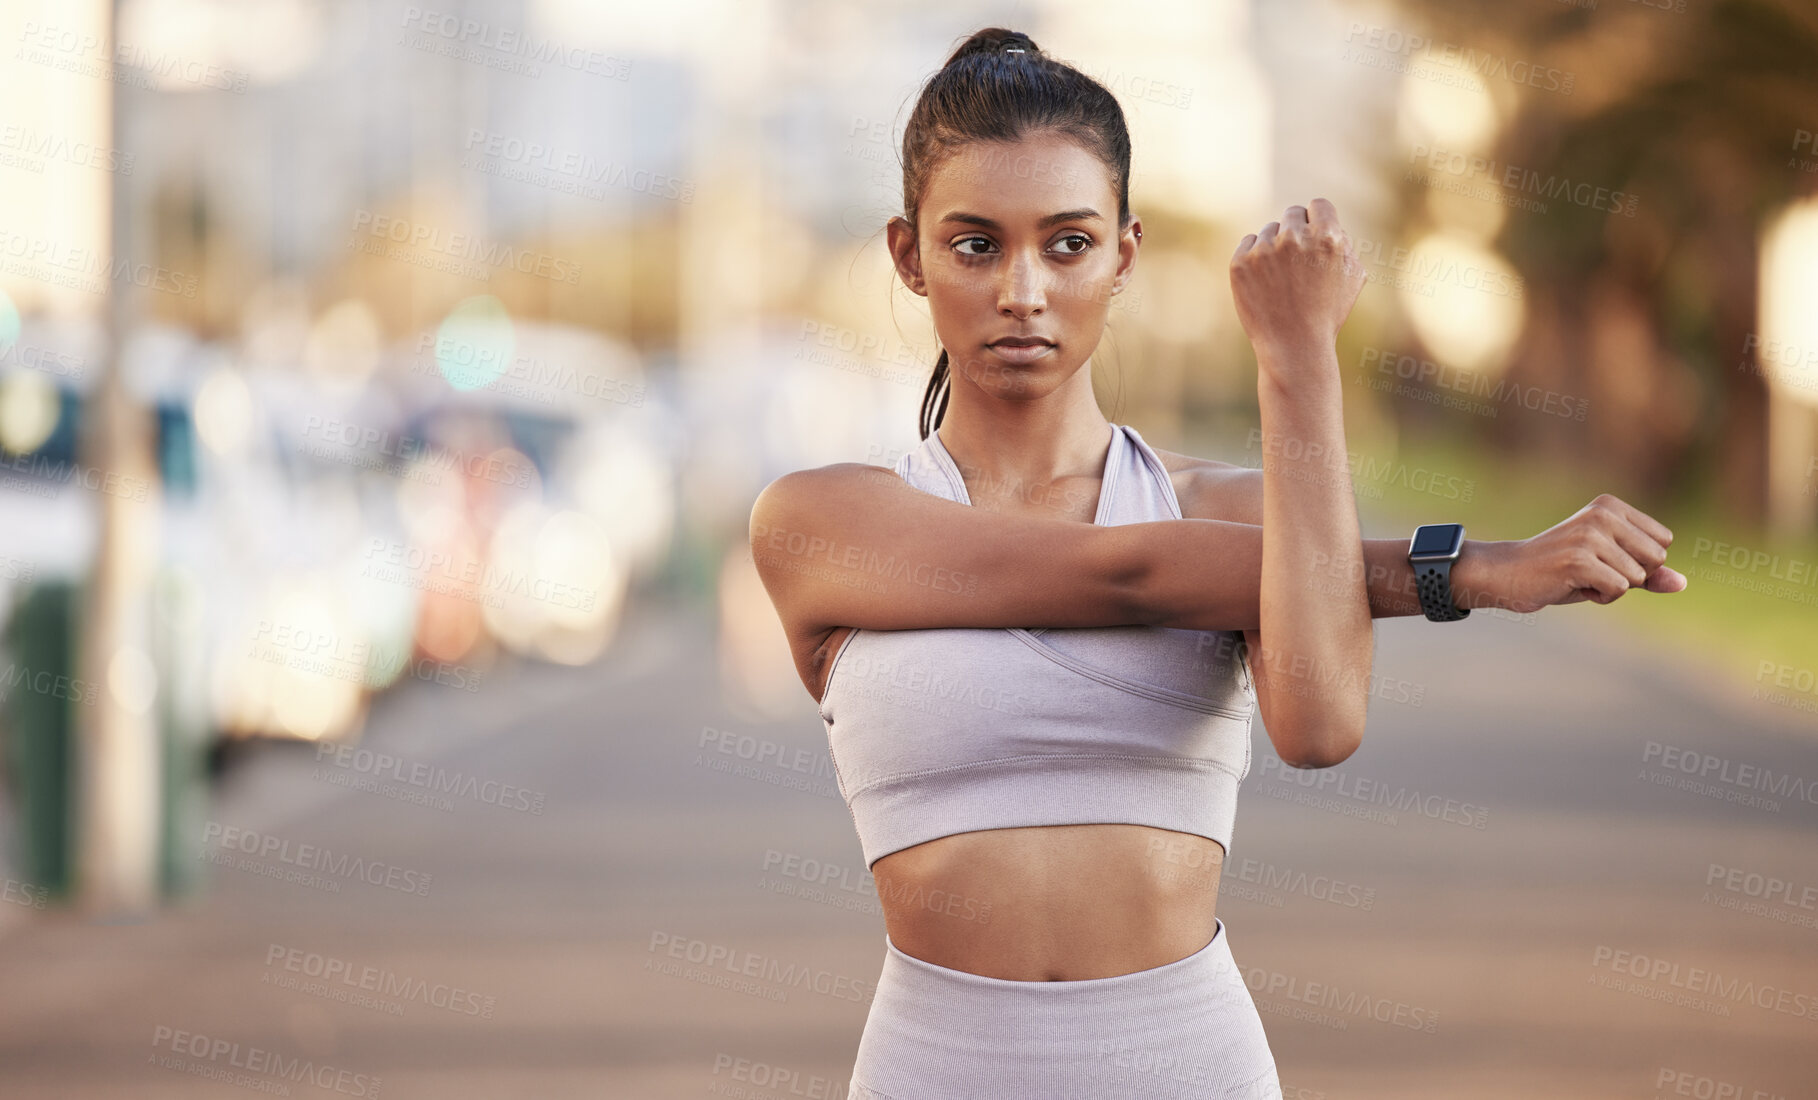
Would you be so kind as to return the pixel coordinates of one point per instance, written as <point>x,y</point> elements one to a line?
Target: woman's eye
<point>1084,246</point>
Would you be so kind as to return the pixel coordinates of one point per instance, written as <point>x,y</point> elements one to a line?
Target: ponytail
<point>939,383</point>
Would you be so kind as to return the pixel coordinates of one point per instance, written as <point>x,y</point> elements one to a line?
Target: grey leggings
<point>1184,1029</point>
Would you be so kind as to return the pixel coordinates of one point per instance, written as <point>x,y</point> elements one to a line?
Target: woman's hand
<point>1294,284</point>
<point>1604,549</point>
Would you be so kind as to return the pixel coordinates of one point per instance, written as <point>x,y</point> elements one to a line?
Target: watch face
<point>1436,540</point>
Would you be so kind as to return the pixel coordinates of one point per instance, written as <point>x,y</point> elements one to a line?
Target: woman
<point>1050,637</point>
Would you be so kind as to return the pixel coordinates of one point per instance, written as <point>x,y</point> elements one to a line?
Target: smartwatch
<point>1432,550</point>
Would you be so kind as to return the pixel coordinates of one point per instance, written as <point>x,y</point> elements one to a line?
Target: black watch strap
<point>1435,584</point>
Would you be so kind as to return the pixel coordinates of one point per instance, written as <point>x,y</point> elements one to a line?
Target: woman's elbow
<point>1325,741</point>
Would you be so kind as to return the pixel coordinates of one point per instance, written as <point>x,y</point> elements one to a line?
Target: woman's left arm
<point>1598,553</point>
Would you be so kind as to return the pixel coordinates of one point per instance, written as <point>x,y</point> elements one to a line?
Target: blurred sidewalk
<point>528,967</point>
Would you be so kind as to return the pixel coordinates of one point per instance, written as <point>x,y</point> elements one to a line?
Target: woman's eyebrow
<point>1081,215</point>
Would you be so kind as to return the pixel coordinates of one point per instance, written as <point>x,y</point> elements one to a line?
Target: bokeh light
<point>28,410</point>
<point>1463,300</point>
<point>475,342</point>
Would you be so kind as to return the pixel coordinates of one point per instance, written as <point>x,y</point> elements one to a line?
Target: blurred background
<point>388,702</point>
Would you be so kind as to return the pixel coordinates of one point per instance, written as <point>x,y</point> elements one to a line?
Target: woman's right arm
<point>854,545</point>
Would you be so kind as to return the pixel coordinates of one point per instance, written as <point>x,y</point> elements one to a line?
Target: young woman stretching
<point>1050,638</point>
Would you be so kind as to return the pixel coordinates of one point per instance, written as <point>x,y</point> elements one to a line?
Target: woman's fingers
<point>1642,540</point>
<point>1323,215</point>
<point>1598,580</point>
<point>1295,218</point>
<point>1656,530</point>
<point>1269,231</point>
<point>1639,548</point>
<point>1618,557</point>
<point>1243,246</point>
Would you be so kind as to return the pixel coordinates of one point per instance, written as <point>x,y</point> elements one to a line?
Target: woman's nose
<point>1024,288</point>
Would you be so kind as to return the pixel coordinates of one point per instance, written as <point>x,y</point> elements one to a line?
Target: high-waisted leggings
<point>1184,1029</point>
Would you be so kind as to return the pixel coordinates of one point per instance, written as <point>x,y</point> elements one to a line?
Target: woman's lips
<point>1020,353</point>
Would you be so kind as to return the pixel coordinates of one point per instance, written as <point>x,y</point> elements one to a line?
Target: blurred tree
<point>1692,106</point>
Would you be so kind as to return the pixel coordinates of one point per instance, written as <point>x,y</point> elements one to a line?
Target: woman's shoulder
<point>1209,489</point>
<point>810,488</point>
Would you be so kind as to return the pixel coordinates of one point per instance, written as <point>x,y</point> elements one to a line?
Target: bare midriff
<point>1052,902</point>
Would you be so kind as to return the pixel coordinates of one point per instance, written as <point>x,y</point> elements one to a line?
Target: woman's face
<point>1017,239</point>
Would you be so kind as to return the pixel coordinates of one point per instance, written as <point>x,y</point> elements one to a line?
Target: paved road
<point>1495,863</point>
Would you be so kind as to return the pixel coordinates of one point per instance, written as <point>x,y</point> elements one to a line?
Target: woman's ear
<point>905,253</point>
<point>1128,243</point>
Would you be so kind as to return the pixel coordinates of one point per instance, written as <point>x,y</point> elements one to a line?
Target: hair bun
<point>996,40</point>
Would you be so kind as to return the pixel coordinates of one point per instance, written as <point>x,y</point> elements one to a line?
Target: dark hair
<point>1000,86</point>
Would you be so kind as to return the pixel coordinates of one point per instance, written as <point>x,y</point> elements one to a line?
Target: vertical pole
<point>117,811</point>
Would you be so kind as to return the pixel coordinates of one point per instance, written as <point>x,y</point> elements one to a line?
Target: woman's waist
<point>1052,903</point>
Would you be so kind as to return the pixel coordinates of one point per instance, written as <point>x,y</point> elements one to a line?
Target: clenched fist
<point>1294,284</point>
<point>1601,551</point>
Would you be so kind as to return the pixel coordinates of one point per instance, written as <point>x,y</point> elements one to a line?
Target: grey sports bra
<point>944,731</point>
